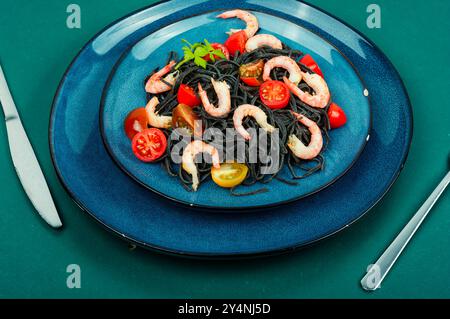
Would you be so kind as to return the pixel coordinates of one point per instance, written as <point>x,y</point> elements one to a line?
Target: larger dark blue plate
<point>134,213</point>
<point>124,92</point>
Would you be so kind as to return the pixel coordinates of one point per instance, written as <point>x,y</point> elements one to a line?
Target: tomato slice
<point>337,116</point>
<point>312,64</point>
<point>186,95</point>
<point>149,145</point>
<point>135,122</point>
<point>184,117</point>
<point>251,73</point>
<point>252,81</point>
<point>229,174</point>
<point>274,94</point>
<point>236,42</point>
<point>218,46</point>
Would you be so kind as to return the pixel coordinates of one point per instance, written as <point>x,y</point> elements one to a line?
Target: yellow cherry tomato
<point>229,174</point>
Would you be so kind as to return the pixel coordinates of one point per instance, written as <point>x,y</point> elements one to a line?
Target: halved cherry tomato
<point>337,116</point>
<point>274,94</point>
<point>310,63</point>
<point>186,95</point>
<point>229,174</point>
<point>149,145</point>
<point>251,73</point>
<point>252,81</point>
<point>236,42</point>
<point>218,46</point>
<point>135,122</point>
<point>184,117</point>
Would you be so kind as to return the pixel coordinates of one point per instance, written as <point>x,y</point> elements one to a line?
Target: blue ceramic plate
<point>142,217</point>
<point>124,92</point>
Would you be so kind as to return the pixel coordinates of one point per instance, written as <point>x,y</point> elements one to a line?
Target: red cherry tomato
<point>218,46</point>
<point>149,145</point>
<point>274,94</point>
<point>186,95</point>
<point>337,116</point>
<point>310,63</point>
<point>135,122</point>
<point>251,81</point>
<point>236,42</point>
<point>184,116</point>
<point>251,73</point>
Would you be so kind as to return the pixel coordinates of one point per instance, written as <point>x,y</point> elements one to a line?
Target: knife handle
<point>9,108</point>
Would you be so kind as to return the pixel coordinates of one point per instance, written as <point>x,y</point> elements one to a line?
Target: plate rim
<point>240,209</point>
<point>266,253</point>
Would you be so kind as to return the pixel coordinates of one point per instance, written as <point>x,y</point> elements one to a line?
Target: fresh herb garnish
<point>198,51</point>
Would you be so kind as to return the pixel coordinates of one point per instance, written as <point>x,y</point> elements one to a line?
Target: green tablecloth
<point>35,49</point>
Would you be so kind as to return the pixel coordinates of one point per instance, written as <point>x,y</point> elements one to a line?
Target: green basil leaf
<point>195,46</point>
<point>187,42</point>
<point>200,52</point>
<point>189,55</point>
<point>200,62</point>
<point>219,53</point>
<point>208,45</point>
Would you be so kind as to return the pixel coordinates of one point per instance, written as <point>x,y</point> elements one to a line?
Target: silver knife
<point>25,161</point>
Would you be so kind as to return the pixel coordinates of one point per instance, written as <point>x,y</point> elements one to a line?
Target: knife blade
<point>24,159</point>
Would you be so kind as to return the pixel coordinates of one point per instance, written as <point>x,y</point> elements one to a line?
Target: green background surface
<point>35,49</point>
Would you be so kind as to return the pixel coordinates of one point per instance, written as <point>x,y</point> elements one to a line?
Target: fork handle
<point>379,270</point>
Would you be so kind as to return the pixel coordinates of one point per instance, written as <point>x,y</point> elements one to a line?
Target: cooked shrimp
<point>154,84</point>
<point>260,40</point>
<point>250,19</point>
<point>153,118</point>
<point>223,94</point>
<point>188,159</point>
<point>250,110</point>
<point>295,74</point>
<point>322,94</point>
<point>315,145</point>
